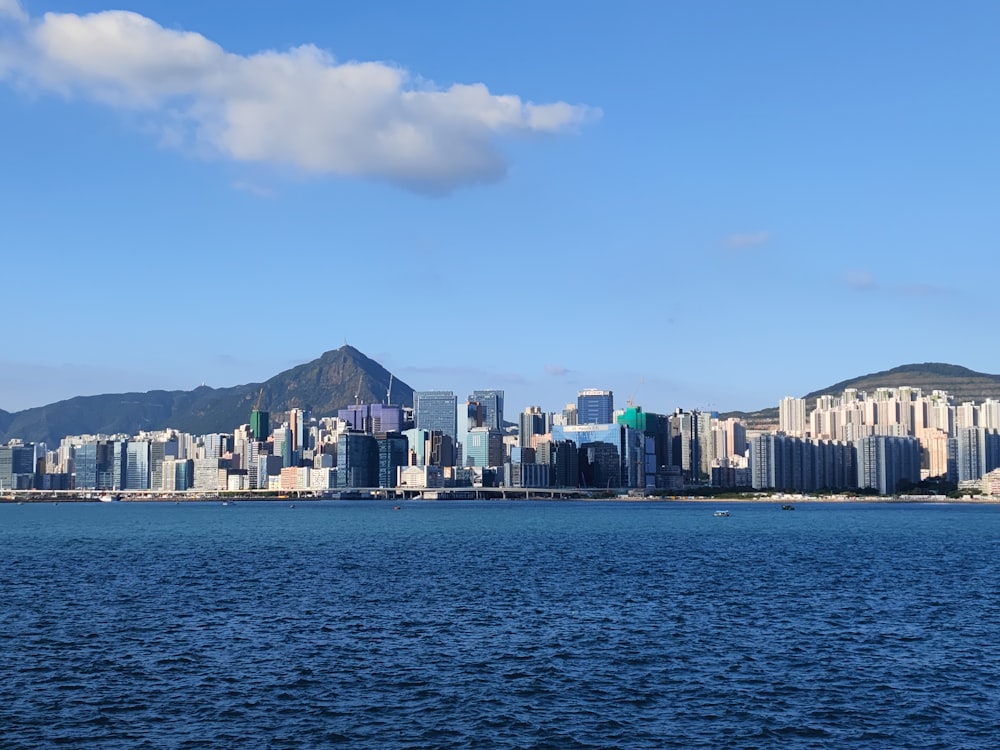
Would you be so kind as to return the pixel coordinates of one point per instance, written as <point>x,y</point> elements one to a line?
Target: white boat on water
<point>721,514</point>
<point>109,498</point>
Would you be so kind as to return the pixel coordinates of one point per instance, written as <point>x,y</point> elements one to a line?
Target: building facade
<point>594,406</point>
<point>436,410</point>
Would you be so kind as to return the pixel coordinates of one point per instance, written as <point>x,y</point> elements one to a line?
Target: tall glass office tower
<point>595,407</point>
<point>436,410</point>
<point>492,402</point>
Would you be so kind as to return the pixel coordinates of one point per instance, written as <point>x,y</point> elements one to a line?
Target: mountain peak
<point>936,368</point>
<point>338,378</point>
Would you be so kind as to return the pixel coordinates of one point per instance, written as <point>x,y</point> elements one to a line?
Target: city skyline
<point>717,206</point>
<point>886,440</point>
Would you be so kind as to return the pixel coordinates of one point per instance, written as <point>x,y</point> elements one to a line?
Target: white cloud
<point>300,107</point>
<point>557,371</point>
<point>12,9</point>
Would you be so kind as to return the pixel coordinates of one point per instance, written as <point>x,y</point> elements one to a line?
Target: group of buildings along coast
<point>881,442</point>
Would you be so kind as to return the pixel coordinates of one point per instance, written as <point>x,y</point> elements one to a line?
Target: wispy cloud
<point>557,371</point>
<point>747,240</point>
<point>864,281</point>
<point>12,9</point>
<point>300,108</point>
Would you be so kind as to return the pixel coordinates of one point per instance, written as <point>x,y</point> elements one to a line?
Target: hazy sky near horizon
<point>695,204</point>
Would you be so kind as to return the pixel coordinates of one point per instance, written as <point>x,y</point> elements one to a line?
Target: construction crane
<point>631,398</point>
<point>256,407</point>
<point>388,391</point>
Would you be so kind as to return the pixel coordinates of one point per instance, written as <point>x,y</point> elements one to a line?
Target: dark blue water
<point>499,625</point>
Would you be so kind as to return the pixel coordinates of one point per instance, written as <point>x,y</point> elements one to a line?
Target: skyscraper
<point>595,406</point>
<point>260,424</point>
<point>484,447</point>
<point>436,410</point>
<point>882,462</point>
<point>492,403</point>
<point>978,452</point>
<point>17,467</point>
<point>392,453</point>
<point>686,448</point>
<point>137,465</point>
<point>357,460</point>
<point>532,422</point>
<point>792,416</point>
<point>296,428</point>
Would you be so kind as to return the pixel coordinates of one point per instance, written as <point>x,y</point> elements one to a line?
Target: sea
<point>489,624</point>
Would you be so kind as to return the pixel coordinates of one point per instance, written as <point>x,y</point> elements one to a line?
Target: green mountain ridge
<point>331,381</point>
<point>323,386</point>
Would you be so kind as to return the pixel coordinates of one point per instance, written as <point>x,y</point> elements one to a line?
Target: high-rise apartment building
<point>978,452</point>
<point>884,462</point>
<point>781,462</point>
<point>792,416</point>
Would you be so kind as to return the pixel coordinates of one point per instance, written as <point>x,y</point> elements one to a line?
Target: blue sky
<point>695,204</point>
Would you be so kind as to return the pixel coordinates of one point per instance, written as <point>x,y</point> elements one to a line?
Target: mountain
<point>322,386</point>
<point>961,383</point>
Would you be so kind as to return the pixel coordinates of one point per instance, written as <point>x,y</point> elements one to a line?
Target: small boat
<point>721,514</point>
<point>109,498</point>
<point>788,507</point>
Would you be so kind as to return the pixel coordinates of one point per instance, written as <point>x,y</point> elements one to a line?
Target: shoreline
<point>35,497</point>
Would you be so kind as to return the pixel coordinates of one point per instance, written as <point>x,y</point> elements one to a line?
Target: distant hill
<point>322,386</point>
<point>961,383</point>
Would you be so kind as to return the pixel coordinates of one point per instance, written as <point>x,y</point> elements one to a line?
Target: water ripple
<point>498,625</point>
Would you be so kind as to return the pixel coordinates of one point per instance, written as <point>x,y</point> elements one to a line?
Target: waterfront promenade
<point>474,493</point>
